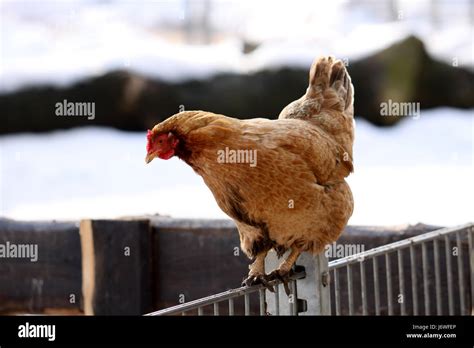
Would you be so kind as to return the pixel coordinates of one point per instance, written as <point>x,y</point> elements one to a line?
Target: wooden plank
<point>196,258</point>
<point>52,283</point>
<point>116,267</point>
<point>88,266</point>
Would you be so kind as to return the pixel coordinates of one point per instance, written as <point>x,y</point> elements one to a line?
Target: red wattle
<point>166,155</point>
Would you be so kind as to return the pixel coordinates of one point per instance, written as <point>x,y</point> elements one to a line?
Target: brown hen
<point>281,181</point>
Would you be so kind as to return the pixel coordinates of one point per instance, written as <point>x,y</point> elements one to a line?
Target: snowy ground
<point>419,171</point>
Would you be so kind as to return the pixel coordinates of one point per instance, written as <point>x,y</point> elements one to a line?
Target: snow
<point>60,42</point>
<point>419,171</point>
<point>422,170</point>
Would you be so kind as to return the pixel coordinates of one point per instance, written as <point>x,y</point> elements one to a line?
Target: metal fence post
<point>323,297</point>
<point>313,296</point>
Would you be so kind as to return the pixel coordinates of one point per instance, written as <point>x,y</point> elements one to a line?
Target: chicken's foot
<point>257,273</point>
<point>284,271</point>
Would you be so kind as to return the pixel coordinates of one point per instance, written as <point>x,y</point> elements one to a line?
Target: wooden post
<point>116,267</point>
<point>470,238</point>
<point>49,283</point>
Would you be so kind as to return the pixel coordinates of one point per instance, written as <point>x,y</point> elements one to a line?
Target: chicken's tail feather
<point>330,81</point>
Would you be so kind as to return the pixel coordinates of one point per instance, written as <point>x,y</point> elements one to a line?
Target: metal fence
<point>225,303</point>
<point>397,286</point>
<point>382,281</point>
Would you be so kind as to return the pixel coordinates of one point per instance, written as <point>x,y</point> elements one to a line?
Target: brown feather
<point>296,195</point>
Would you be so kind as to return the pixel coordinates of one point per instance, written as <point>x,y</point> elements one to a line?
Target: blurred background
<point>142,61</point>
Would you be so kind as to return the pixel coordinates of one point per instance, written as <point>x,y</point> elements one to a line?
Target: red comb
<point>149,138</point>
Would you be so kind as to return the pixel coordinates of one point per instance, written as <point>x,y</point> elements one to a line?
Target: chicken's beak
<point>149,157</point>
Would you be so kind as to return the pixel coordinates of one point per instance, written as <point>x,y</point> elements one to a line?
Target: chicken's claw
<point>283,276</point>
<point>255,279</point>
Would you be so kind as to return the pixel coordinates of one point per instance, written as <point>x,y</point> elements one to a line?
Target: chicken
<point>281,181</point>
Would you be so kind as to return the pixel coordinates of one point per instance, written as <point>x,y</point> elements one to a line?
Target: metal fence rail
<point>213,305</point>
<point>380,281</point>
<point>401,294</point>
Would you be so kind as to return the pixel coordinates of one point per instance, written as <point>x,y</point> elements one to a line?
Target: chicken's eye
<point>160,141</point>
